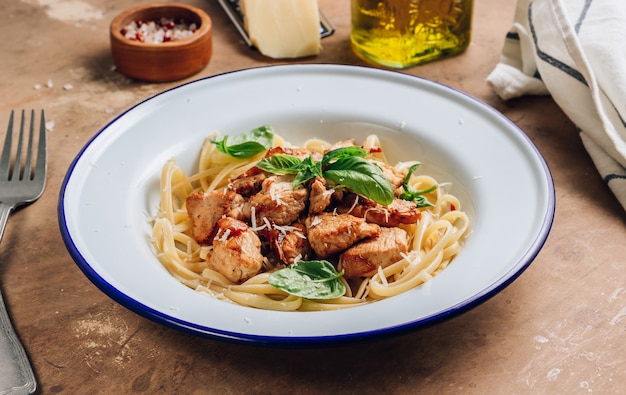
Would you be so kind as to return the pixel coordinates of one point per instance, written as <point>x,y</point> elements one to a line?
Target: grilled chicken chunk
<point>395,176</point>
<point>398,212</point>
<point>236,250</point>
<point>330,233</point>
<point>278,201</point>
<point>364,258</point>
<point>205,210</point>
<point>249,183</point>
<point>341,144</point>
<point>298,152</point>
<point>320,197</point>
<point>288,242</point>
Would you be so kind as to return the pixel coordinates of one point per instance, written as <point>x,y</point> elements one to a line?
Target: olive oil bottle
<point>404,33</point>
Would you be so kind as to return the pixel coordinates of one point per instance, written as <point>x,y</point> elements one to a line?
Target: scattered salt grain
<point>49,84</point>
<point>37,87</point>
<point>50,126</point>
<point>68,87</point>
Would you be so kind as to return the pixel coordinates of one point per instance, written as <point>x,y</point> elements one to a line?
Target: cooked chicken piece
<point>320,197</point>
<point>236,251</point>
<point>205,209</point>
<point>330,233</point>
<point>400,211</point>
<point>395,176</point>
<point>301,153</point>
<point>278,201</point>
<point>249,183</point>
<point>288,242</point>
<point>364,258</point>
<point>341,144</point>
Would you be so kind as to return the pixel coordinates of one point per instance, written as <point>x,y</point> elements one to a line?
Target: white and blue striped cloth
<point>575,51</point>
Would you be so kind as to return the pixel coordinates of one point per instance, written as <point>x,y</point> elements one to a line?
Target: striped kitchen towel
<point>575,51</point>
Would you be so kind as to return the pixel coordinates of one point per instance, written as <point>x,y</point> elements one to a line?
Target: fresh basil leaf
<point>245,145</point>
<point>421,201</point>
<point>219,143</point>
<point>280,164</point>
<point>362,177</point>
<point>319,269</point>
<point>307,171</point>
<point>343,152</point>
<point>304,169</point>
<point>309,279</point>
<point>415,195</point>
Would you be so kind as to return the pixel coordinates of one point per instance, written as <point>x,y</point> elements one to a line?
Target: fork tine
<point>29,148</point>
<point>40,170</point>
<point>17,165</point>
<point>5,158</point>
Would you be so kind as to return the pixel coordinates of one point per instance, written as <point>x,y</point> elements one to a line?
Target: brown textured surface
<point>559,328</point>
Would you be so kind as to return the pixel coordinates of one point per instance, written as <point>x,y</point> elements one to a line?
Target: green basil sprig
<point>344,166</point>
<point>309,279</point>
<point>247,144</point>
<point>415,195</point>
<point>308,170</point>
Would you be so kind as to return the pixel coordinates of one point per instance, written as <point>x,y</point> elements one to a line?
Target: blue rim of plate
<point>306,341</point>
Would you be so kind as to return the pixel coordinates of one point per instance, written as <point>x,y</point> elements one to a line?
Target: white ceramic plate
<point>112,187</point>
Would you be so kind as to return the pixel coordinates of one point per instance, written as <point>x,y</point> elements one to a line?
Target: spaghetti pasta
<point>433,240</point>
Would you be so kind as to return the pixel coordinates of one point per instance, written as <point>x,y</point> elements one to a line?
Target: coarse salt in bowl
<point>161,42</point>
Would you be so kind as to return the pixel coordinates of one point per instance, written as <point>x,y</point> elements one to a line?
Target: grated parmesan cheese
<point>356,201</point>
<point>316,221</point>
<point>223,237</point>
<point>328,192</point>
<point>253,217</point>
<point>267,223</point>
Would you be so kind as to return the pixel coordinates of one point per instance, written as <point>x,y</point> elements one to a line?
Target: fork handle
<point>16,374</point>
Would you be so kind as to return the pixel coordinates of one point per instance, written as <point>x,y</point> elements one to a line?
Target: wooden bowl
<point>166,61</point>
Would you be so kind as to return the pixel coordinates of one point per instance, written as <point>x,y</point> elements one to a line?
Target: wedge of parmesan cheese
<point>283,28</point>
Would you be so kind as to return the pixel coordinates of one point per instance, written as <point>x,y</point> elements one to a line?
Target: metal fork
<point>20,183</point>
